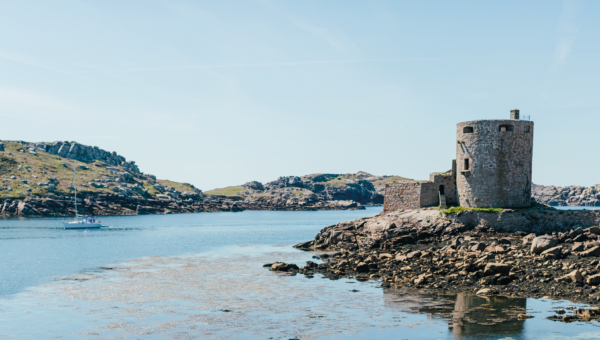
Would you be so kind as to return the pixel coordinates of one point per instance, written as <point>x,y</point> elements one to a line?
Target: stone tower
<point>494,160</point>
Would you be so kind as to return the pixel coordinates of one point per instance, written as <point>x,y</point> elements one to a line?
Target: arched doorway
<point>442,190</point>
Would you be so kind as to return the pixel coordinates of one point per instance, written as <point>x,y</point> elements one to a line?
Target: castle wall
<point>429,194</point>
<point>449,183</point>
<point>401,196</point>
<point>499,163</point>
<point>531,221</point>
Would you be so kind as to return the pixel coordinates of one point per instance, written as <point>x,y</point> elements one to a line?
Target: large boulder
<point>284,182</point>
<point>496,268</point>
<point>593,280</point>
<point>284,267</point>
<point>254,185</point>
<point>574,276</point>
<point>541,243</point>
<point>527,239</point>
<point>595,251</point>
<point>362,268</point>
<point>552,252</point>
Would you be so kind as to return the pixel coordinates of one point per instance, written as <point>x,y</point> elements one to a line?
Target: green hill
<point>29,171</point>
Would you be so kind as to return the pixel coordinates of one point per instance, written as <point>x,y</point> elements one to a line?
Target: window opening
<point>467,164</point>
<point>504,128</point>
<point>468,129</point>
<point>441,190</point>
<point>527,129</point>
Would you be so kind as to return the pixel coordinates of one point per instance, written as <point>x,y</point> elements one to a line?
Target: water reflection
<point>467,315</point>
<point>475,315</point>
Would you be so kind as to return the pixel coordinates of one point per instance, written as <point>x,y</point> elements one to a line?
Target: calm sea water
<point>34,250</point>
<point>200,276</point>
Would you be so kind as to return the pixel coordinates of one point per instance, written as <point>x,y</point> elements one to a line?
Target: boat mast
<point>75,186</point>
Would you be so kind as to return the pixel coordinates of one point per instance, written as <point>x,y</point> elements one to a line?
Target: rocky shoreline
<point>107,205</point>
<point>567,196</point>
<point>37,180</point>
<point>550,253</point>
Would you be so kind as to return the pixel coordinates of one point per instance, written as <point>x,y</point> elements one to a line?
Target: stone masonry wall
<point>449,183</point>
<point>538,221</point>
<point>500,163</point>
<point>401,196</point>
<point>414,195</point>
<point>429,194</point>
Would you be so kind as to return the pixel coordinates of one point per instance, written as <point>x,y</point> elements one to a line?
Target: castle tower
<point>494,160</point>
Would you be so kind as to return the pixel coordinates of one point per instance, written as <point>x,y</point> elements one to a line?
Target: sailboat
<point>89,222</point>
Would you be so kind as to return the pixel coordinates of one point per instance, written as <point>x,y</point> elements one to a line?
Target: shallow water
<point>201,276</point>
<point>36,249</point>
<point>577,208</point>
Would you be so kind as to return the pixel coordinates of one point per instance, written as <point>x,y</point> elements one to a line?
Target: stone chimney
<point>514,114</point>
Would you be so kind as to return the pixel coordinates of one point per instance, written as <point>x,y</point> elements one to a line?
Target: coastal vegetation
<point>456,210</point>
<point>26,171</point>
<point>234,191</point>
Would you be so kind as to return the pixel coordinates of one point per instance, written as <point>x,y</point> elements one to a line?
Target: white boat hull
<point>81,225</point>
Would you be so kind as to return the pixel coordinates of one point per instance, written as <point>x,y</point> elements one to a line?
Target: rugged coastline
<point>567,196</point>
<point>107,204</point>
<point>37,180</point>
<point>534,252</point>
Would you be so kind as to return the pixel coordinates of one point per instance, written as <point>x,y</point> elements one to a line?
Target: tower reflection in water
<point>467,315</point>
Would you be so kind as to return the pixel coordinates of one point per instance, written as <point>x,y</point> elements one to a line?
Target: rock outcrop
<point>37,181</point>
<point>83,153</point>
<point>427,250</point>
<point>563,196</point>
<point>123,202</point>
<point>361,188</point>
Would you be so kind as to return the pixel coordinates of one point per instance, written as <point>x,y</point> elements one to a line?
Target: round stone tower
<point>494,162</point>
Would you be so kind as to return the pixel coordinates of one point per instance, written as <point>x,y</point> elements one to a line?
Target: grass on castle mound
<point>534,206</point>
<point>456,210</point>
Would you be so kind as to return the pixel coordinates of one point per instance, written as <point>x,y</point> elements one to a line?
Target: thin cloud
<point>33,62</point>
<point>566,35</point>
<point>56,112</point>
<point>312,62</point>
<point>334,37</point>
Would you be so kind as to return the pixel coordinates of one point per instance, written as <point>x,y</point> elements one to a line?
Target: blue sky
<point>218,93</point>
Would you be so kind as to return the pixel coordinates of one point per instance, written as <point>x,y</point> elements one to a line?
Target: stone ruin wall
<point>429,194</point>
<point>532,221</point>
<point>500,163</point>
<point>401,196</point>
<point>449,183</point>
<point>415,194</point>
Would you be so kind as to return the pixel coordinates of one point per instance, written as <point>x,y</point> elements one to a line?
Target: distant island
<point>37,181</point>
